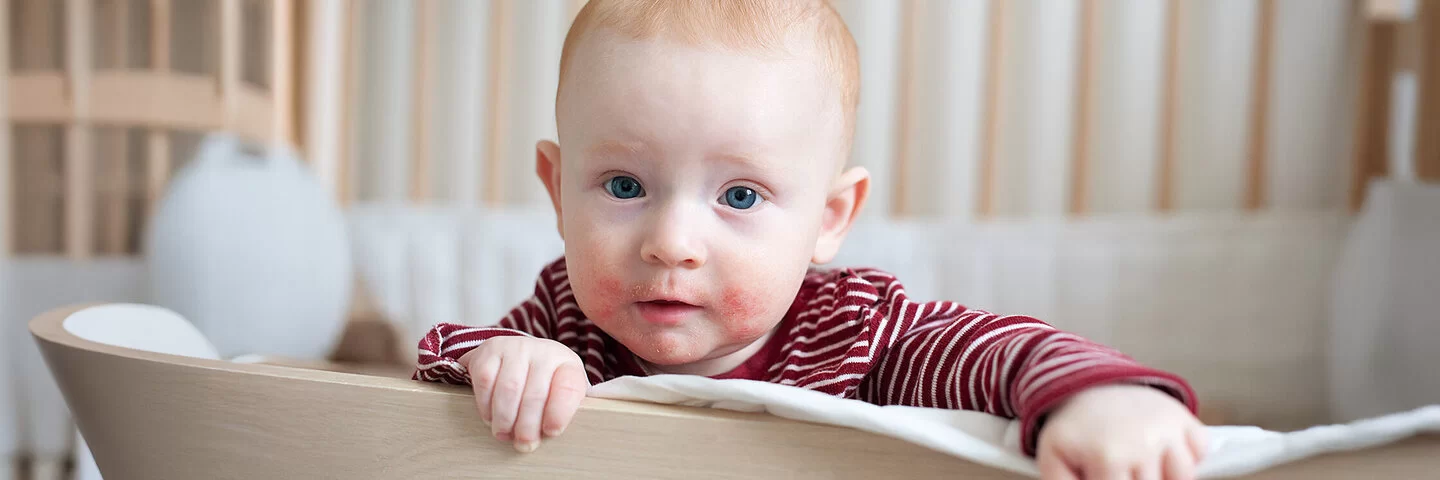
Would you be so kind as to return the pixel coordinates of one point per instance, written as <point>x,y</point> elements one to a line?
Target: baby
<point>700,173</point>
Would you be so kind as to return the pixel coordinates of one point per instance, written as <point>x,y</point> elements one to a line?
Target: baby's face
<point>693,184</point>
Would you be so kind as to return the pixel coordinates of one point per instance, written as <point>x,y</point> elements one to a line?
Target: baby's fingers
<point>505,399</point>
<point>1053,467</point>
<point>532,407</point>
<point>1148,470</point>
<point>482,381</point>
<point>567,389</point>
<point>1199,442</point>
<point>1179,465</point>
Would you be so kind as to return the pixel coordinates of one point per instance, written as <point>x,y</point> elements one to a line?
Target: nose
<point>673,242</point>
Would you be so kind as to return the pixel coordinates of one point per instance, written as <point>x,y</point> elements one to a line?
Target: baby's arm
<point>526,384</point>
<point>443,346</point>
<point>1012,366</point>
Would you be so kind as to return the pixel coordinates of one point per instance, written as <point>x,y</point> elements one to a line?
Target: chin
<point>669,349</point>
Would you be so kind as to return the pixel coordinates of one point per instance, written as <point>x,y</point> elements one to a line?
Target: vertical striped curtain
<point>969,109</point>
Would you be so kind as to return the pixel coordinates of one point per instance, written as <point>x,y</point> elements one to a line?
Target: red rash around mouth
<point>739,304</point>
<point>607,288</point>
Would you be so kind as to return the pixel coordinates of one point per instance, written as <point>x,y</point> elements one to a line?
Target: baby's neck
<point>717,365</point>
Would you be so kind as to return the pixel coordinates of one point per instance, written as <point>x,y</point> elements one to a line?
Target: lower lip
<point>668,314</point>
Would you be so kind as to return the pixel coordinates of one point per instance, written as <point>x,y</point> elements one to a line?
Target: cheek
<point>595,283</point>
<point>741,303</point>
<point>745,311</point>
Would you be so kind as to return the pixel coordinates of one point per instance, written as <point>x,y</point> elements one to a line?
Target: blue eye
<point>740,197</point>
<point>624,187</point>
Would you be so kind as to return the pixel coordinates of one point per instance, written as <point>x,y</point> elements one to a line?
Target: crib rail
<point>247,420</point>
<point>375,427</point>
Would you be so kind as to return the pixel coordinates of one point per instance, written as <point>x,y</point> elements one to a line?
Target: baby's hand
<point>525,386</point>
<point>1121,432</point>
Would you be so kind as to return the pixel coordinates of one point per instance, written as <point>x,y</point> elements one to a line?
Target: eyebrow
<point>744,160</point>
<point>748,162</point>
<point>608,148</point>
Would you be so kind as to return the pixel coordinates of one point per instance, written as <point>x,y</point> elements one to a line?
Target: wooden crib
<point>152,415</point>
<point>1166,118</point>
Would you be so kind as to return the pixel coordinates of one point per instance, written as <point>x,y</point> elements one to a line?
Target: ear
<point>547,167</point>
<point>843,204</point>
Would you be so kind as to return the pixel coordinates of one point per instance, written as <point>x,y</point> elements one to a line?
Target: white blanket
<point>994,441</point>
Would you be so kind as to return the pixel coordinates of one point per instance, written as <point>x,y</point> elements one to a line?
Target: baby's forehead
<point>804,30</point>
<point>658,81</point>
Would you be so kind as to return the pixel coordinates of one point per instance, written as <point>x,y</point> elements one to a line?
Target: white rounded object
<point>252,249</point>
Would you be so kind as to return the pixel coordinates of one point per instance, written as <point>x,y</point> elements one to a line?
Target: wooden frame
<point>249,420</point>
<point>994,110</point>
<point>1372,127</point>
<point>1259,132</point>
<point>7,197</point>
<point>1169,108</point>
<point>1427,124</point>
<point>81,98</point>
<point>422,99</point>
<point>325,85</point>
<point>306,47</point>
<point>501,61</point>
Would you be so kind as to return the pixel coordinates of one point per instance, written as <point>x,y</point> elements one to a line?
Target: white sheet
<point>994,441</point>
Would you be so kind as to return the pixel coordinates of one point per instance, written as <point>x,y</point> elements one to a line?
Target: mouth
<point>668,312</point>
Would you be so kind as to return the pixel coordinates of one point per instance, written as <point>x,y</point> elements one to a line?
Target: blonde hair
<point>739,24</point>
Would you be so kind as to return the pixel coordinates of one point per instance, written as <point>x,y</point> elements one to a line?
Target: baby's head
<point>701,168</point>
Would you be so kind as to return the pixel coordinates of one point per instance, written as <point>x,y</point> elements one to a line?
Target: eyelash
<point>611,183</point>
<point>762,195</point>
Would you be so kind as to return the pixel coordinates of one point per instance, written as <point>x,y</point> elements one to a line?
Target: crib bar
<point>117,14</point>
<point>111,182</point>
<point>1169,111</point>
<point>1372,128</point>
<point>79,177</point>
<point>157,161</point>
<point>420,102</point>
<point>1427,123</point>
<point>912,13</point>
<point>323,66</point>
<point>282,72</point>
<point>7,197</point>
<point>996,82</point>
<point>114,153</point>
<point>1084,98</point>
<point>353,39</point>
<point>1255,178</point>
<point>229,74</point>
<point>500,85</point>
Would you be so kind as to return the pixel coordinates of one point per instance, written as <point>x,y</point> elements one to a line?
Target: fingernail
<point>527,447</point>
<point>554,431</point>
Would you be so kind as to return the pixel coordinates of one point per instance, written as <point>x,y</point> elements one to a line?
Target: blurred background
<point>1242,191</point>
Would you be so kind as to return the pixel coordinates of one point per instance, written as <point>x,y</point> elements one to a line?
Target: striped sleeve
<point>946,356</point>
<point>441,348</point>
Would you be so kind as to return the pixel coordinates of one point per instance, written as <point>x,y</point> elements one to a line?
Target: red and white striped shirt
<point>852,333</point>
